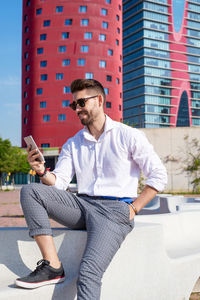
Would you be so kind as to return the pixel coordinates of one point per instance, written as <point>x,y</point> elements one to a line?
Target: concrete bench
<point>159,260</point>
<point>170,204</point>
<point>162,204</point>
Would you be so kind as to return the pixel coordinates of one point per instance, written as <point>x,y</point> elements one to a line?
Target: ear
<point>101,100</point>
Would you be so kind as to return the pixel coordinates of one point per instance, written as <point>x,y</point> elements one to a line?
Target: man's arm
<point>39,167</point>
<point>145,197</point>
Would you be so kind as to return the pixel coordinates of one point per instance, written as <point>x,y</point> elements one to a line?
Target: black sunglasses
<point>80,102</point>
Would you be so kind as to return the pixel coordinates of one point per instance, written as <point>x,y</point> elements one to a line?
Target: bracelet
<point>44,173</point>
<point>134,208</point>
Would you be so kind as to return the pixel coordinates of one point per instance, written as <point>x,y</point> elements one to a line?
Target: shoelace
<point>41,264</point>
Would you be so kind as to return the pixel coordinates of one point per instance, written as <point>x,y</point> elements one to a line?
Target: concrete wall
<point>173,146</point>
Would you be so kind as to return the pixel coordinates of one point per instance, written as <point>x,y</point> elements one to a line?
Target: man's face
<point>90,112</point>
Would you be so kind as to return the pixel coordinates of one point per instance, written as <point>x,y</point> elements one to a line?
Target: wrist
<point>133,208</point>
<point>42,174</point>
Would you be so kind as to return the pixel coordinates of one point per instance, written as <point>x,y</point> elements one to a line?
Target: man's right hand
<point>35,164</point>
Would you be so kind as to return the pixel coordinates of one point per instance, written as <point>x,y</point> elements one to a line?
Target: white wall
<point>173,146</point>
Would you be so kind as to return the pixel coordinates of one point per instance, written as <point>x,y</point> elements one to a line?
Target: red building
<point>62,41</point>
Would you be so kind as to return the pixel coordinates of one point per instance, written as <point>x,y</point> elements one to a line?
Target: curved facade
<point>161,43</point>
<point>62,41</point>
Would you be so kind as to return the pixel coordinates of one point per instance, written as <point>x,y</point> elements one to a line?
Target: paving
<point>11,214</point>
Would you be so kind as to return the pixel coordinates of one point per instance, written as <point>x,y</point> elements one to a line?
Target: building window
<point>28,3</point>
<point>61,117</point>
<point>47,23</point>
<point>38,11</point>
<point>27,107</point>
<point>108,77</point>
<point>67,89</point>
<point>59,76</point>
<point>84,48</point>
<point>68,22</point>
<point>25,18</point>
<point>106,90</point>
<point>108,1</point>
<point>66,62</point>
<point>120,7</point>
<point>43,63</point>
<point>88,35</point>
<point>104,11</point>
<point>82,9</point>
<point>26,29</point>
<point>40,50</point>
<point>65,35</point>
<point>120,69</point>
<point>45,145</point>
<point>102,37</point>
<point>44,77</point>
<point>25,94</point>
<point>81,62</point>
<point>43,37</point>
<point>102,63</point>
<point>117,17</point>
<point>110,52</point>
<point>118,30</point>
<point>46,118</point>
<point>59,9</point>
<point>117,80</point>
<point>120,107</point>
<point>62,49</point>
<point>26,55</point>
<point>27,80</point>
<point>105,25</point>
<point>25,120</point>
<point>108,104</point>
<point>88,75</point>
<point>65,103</point>
<point>43,104</point>
<point>39,91</point>
<point>84,22</point>
<point>27,42</point>
<point>27,68</point>
<point>117,42</point>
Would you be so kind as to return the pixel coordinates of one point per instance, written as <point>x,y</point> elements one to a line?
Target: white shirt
<point>109,166</point>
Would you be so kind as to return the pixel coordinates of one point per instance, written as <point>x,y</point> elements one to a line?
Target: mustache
<point>83,111</point>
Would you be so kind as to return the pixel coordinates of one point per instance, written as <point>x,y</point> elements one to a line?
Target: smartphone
<point>30,142</point>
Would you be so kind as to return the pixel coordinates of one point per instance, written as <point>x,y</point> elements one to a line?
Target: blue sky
<point>10,71</point>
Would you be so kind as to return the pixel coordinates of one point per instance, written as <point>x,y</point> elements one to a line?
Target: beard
<point>87,119</point>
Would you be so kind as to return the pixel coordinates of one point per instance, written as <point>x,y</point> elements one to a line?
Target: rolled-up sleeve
<point>64,170</point>
<point>148,161</point>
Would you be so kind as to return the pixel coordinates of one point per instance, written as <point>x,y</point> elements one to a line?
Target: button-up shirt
<point>111,165</point>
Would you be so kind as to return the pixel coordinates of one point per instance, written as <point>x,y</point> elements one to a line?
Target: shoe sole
<point>29,285</point>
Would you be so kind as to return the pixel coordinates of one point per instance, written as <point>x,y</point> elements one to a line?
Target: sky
<point>10,71</point>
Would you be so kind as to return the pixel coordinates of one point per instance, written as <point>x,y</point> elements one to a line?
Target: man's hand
<point>132,213</point>
<point>35,164</point>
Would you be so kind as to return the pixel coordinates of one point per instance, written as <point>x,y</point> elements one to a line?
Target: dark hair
<point>81,84</point>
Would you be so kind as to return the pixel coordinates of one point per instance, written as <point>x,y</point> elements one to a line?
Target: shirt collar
<point>109,125</point>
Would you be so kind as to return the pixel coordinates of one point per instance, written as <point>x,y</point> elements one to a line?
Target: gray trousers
<point>106,221</point>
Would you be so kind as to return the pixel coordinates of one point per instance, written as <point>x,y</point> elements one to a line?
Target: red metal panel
<point>57,132</point>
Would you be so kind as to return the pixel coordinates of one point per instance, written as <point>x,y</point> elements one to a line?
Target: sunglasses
<point>80,102</point>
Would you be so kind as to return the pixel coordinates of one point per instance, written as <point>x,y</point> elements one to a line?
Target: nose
<point>78,108</point>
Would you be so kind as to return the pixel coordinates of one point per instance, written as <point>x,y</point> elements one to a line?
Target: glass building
<point>161,63</point>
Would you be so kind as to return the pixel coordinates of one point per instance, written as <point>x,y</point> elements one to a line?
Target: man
<point>106,157</point>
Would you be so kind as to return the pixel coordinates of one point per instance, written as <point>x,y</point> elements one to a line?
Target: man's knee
<point>27,191</point>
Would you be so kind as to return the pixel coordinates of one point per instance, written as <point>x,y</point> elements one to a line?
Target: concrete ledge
<point>148,265</point>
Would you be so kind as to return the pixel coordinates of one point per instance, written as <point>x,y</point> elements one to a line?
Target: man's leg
<point>39,202</point>
<point>48,249</point>
<point>107,228</point>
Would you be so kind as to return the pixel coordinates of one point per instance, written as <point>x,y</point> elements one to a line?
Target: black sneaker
<point>44,274</point>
